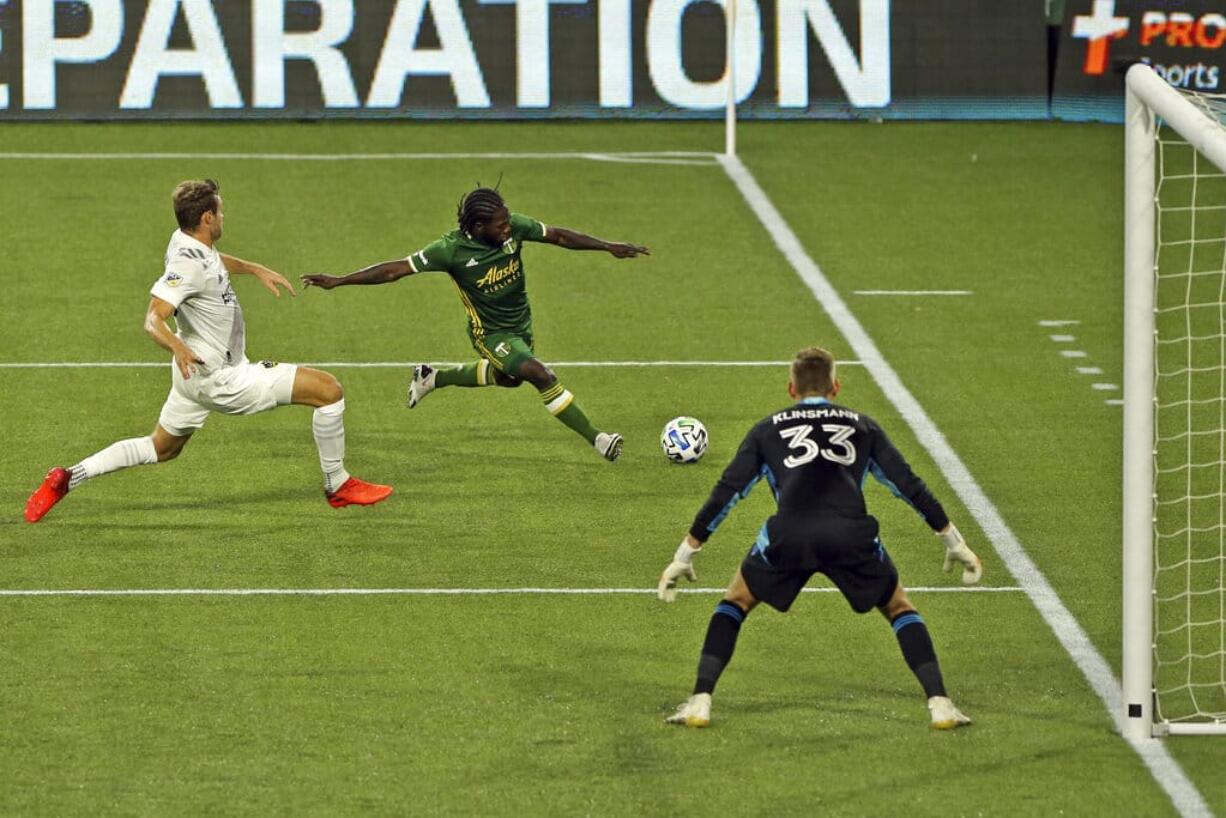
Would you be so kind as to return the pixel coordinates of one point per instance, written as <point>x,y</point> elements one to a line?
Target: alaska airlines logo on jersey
<point>173,279</point>
<point>496,278</point>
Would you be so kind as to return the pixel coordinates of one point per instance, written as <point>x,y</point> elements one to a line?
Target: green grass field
<point>548,703</point>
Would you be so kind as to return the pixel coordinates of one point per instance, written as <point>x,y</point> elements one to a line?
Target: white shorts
<point>242,389</point>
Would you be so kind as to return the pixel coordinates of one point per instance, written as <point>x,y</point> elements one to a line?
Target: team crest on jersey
<point>510,246</point>
<point>173,279</point>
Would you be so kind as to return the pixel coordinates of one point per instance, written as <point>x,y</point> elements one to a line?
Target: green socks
<point>561,404</point>
<point>478,373</point>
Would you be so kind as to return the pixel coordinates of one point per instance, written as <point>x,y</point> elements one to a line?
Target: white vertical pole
<point>1139,328</point>
<point>730,73</point>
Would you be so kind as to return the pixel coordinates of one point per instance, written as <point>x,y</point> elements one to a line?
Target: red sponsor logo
<point>1100,27</point>
<point>1182,30</point>
<point>1174,29</point>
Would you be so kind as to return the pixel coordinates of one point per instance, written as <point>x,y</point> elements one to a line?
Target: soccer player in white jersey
<point>211,372</point>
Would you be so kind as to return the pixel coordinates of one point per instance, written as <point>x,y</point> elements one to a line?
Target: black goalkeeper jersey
<point>816,456</point>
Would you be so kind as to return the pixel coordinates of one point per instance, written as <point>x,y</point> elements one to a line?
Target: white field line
<point>1058,323</point>
<point>913,292</point>
<point>392,364</point>
<point>432,591</point>
<point>632,157</point>
<point>1162,766</point>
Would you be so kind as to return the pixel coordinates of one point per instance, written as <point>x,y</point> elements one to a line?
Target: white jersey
<point>209,319</point>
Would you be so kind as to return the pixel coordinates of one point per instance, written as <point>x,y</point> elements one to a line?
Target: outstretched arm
<point>382,273</point>
<point>271,279</point>
<point>574,240</point>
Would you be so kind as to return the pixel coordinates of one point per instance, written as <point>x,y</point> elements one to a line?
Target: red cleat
<point>53,489</point>
<point>355,492</point>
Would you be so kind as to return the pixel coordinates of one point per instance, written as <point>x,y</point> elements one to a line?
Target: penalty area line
<point>913,292</point>
<point>390,364</point>
<point>697,158</point>
<point>79,592</point>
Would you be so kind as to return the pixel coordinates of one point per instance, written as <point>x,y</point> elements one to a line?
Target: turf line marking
<point>913,292</point>
<point>1105,387</point>
<point>1058,323</point>
<point>1161,765</point>
<point>1090,370</point>
<point>1073,353</point>
<point>16,592</point>
<point>1063,339</point>
<point>633,157</point>
<point>391,364</point>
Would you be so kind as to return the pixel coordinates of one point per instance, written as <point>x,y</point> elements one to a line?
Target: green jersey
<point>490,279</point>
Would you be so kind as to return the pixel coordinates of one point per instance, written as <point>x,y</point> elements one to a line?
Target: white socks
<point>328,423</point>
<point>136,451</point>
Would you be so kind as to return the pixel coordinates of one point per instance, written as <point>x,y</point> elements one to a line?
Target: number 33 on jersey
<point>816,456</point>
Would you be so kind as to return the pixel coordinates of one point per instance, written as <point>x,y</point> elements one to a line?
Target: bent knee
<point>503,379</point>
<point>329,389</point>
<point>740,595</point>
<point>168,449</point>
<point>894,608</point>
<point>333,391</point>
<point>745,601</point>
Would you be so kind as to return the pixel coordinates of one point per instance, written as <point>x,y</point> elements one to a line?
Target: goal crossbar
<point>1149,99</point>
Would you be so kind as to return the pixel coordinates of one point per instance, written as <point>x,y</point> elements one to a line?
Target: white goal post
<point>730,15</point>
<point>1174,475</point>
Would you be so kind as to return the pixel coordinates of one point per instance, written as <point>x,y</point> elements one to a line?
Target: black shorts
<point>792,548</point>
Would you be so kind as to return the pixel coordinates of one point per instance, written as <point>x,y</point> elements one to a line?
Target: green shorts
<point>506,351</point>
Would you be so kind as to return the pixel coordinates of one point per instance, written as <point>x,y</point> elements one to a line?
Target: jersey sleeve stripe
<point>736,498</point>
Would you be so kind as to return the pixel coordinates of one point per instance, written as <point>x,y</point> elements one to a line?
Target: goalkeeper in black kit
<point>815,456</point>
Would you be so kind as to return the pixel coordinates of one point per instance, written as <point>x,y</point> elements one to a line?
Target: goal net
<point>1177,154</point>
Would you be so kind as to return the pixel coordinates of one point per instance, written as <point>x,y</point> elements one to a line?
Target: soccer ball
<point>684,440</point>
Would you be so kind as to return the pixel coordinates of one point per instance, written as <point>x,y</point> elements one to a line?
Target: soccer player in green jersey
<point>482,257</point>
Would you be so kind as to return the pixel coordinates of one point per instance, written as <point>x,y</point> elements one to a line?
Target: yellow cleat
<point>695,712</point>
<point>944,715</point>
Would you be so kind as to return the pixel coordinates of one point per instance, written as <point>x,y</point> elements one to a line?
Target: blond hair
<point>813,372</point>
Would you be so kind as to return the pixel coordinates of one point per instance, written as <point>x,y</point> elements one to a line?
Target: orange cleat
<point>53,489</point>
<point>353,492</point>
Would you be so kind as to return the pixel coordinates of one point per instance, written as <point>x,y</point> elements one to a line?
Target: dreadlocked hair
<point>478,206</point>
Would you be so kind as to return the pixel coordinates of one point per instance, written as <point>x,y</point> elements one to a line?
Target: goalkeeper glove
<point>957,551</point>
<point>681,566</point>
